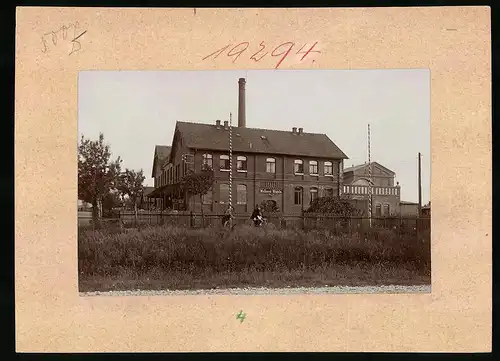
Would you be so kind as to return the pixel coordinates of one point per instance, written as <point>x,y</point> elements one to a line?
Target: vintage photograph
<point>254,182</point>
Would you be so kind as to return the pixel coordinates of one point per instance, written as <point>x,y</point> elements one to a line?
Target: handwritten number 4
<point>308,51</point>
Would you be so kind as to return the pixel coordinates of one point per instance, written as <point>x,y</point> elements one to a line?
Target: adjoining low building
<point>385,195</point>
<point>408,209</point>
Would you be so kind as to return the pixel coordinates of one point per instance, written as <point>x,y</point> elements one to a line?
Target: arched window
<point>241,194</point>
<point>387,210</point>
<point>298,193</point>
<point>378,210</point>
<point>314,193</point>
<point>271,165</point>
<point>328,168</point>
<point>298,166</point>
<point>224,162</point>
<point>207,161</point>
<point>313,167</point>
<point>241,163</point>
<point>224,193</point>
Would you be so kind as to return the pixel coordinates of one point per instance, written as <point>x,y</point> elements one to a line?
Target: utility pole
<point>231,167</point>
<point>370,186</point>
<point>419,184</point>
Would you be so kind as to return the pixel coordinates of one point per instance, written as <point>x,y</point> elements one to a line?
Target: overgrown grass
<point>177,257</point>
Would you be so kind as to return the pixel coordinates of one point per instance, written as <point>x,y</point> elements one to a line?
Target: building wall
<point>258,182</point>
<point>409,209</point>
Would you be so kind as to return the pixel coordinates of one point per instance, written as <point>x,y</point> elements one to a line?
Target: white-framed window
<point>223,193</point>
<point>298,195</point>
<point>298,166</point>
<point>313,167</point>
<point>328,168</point>
<point>378,210</point>
<point>314,193</point>
<point>241,194</point>
<point>207,161</point>
<point>271,165</point>
<point>224,162</point>
<point>387,210</point>
<point>241,163</point>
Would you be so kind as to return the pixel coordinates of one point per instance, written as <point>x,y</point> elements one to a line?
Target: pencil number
<point>66,34</point>
<point>280,52</point>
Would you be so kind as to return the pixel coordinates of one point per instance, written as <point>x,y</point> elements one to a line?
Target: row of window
<point>241,194</point>
<point>378,210</point>
<point>241,165</point>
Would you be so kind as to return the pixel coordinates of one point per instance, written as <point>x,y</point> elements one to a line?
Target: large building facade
<point>286,168</point>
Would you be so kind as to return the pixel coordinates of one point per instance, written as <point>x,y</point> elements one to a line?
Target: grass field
<point>181,258</point>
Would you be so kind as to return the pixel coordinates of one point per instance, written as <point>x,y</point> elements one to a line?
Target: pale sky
<point>137,110</point>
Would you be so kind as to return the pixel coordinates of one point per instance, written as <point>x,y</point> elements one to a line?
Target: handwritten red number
<point>263,47</point>
<point>284,53</point>
<point>309,51</point>
<point>239,52</point>
<point>218,52</point>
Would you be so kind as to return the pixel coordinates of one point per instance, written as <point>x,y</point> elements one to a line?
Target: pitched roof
<point>408,203</point>
<point>148,190</point>
<point>253,140</point>
<point>361,166</point>
<point>162,152</point>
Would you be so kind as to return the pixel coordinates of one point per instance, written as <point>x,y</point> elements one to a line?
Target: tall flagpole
<point>370,186</point>
<point>231,164</point>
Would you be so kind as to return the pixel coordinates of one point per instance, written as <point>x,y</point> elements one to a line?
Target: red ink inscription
<point>284,52</point>
<point>263,47</point>
<point>218,52</point>
<point>308,51</point>
<point>239,52</point>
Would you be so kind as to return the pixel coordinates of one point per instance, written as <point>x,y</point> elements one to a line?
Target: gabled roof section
<point>162,152</point>
<point>253,140</point>
<point>361,166</point>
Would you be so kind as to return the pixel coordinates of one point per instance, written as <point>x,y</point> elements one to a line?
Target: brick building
<point>385,195</point>
<point>288,168</point>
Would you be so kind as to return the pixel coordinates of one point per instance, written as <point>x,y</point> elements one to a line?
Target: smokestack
<point>294,130</point>
<point>226,124</point>
<point>217,123</point>
<point>301,130</point>
<point>241,103</point>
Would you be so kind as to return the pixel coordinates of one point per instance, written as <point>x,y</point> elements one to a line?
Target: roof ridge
<point>251,128</point>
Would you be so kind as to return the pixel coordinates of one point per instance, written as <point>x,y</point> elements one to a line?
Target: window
<point>271,165</point>
<point>177,172</point>
<point>328,169</point>
<point>314,193</point>
<point>298,196</point>
<point>378,210</point>
<point>313,167</point>
<point>207,198</point>
<point>224,193</point>
<point>298,166</point>
<point>241,163</point>
<point>241,194</point>
<point>387,210</point>
<point>329,192</point>
<point>224,162</point>
<point>207,161</point>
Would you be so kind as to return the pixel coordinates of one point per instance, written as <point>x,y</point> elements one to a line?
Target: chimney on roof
<point>294,130</point>
<point>301,130</point>
<point>241,103</point>
<point>226,124</point>
<point>217,123</point>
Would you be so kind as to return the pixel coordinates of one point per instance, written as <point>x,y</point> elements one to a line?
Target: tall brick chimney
<point>241,103</point>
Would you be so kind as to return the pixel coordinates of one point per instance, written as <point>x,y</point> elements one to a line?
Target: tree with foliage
<point>97,174</point>
<point>110,201</point>
<point>131,185</point>
<point>269,206</point>
<point>198,183</point>
<point>335,206</point>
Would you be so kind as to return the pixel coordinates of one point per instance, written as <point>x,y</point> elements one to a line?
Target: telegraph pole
<point>231,167</point>
<point>370,189</point>
<point>419,184</point>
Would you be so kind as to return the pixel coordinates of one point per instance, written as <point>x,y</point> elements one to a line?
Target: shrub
<point>218,250</point>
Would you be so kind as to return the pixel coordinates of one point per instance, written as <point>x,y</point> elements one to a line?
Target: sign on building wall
<point>271,191</point>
